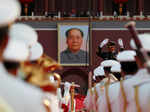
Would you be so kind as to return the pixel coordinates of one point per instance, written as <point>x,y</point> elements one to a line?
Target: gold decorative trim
<point>124,96</point>
<point>136,94</point>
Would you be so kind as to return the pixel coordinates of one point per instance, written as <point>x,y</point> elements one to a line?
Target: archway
<point>79,77</point>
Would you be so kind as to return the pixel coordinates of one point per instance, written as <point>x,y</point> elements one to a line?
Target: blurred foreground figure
<point>32,71</point>
<point>19,95</point>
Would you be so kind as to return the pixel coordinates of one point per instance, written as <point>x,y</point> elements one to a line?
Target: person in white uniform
<point>6,19</point>
<point>26,34</point>
<point>107,101</point>
<point>141,76</point>
<point>103,70</point>
<point>92,94</point>
<point>129,69</point>
<point>20,96</point>
<point>15,89</point>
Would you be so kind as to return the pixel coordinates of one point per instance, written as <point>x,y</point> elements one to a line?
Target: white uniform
<point>144,97</point>
<point>92,100</point>
<point>113,95</point>
<point>54,102</point>
<point>141,77</point>
<point>129,84</point>
<point>108,100</point>
<point>92,94</point>
<point>88,101</point>
<point>21,96</point>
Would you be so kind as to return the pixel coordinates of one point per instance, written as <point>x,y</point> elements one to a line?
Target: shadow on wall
<point>79,77</point>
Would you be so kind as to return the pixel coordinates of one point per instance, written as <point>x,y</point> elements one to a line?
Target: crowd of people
<point>28,82</point>
<point>121,82</point>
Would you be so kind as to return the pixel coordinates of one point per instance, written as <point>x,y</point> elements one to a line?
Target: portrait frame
<point>61,31</point>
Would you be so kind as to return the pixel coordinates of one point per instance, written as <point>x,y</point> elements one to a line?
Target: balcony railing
<point>101,18</point>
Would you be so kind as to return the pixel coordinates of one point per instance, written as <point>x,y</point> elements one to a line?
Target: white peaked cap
<point>67,84</point>
<point>116,68</point>
<point>9,11</point>
<point>145,41</point>
<point>109,63</point>
<point>99,71</point>
<point>36,51</point>
<point>23,33</point>
<point>16,51</point>
<point>127,55</point>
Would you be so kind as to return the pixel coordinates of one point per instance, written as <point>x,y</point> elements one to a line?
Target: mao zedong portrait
<point>73,54</point>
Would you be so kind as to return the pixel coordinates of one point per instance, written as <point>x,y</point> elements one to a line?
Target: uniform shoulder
<point>142,83</point>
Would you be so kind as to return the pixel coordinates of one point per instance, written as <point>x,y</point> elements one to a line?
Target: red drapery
<point>79,103</point>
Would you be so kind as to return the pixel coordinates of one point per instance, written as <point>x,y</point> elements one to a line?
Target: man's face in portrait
<point>74,40</point>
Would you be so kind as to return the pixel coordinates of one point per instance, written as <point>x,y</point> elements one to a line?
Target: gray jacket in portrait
<point>67,57</point>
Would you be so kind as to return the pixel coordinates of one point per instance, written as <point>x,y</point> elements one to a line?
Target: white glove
<point>66,97</point>
<point>104,42</point>
<point>120,42</point>
<point>67,85</point>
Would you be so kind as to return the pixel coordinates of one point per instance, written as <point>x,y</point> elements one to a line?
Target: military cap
<point>109,63</point>
<point>9,11</point>
<point>99,71</point>
<point>116,68</point>
<point>126,56</point>
<point>36,51</point>
<point>16,51</point>
<point>23,33</point>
